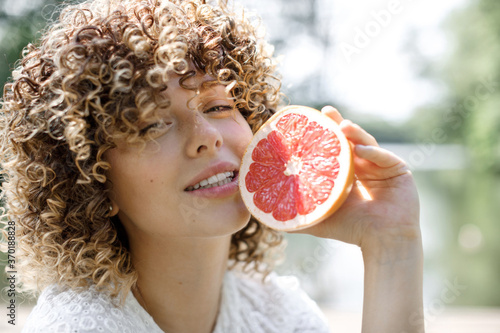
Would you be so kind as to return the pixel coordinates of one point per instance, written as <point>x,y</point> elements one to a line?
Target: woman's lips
<point>213,170</point>
<point>219,179</point>
<point>219,191</point>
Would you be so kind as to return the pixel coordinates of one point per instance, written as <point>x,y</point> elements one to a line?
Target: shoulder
<point>65,310</point>
<point>277,304</point>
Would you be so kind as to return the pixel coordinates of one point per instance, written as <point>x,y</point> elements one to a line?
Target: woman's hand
<point>386,227</point>
<point>391,216</point>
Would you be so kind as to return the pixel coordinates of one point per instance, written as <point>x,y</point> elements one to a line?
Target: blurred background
<point>424,78</point>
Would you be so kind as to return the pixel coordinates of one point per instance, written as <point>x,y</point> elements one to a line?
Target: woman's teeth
<point>217,180</point>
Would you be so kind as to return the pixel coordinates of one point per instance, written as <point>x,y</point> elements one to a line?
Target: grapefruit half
<point>297,170</point>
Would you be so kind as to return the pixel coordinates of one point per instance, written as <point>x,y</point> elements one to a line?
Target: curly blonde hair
<point>94,75</point>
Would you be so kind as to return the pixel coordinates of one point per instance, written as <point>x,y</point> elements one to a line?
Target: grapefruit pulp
<point>297,170</point>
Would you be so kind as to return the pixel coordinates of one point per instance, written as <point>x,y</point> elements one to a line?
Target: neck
<point>180,285</point>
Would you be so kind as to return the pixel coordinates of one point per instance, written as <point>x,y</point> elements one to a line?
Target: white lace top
<point>248,306</point>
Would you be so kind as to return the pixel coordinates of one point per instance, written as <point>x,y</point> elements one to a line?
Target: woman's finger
<point>356,134</point>
<point>379,156</point>
<point>333,113</point>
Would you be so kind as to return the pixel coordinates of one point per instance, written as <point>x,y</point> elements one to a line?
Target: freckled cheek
<point>240,137</point>
<point>134,178</point>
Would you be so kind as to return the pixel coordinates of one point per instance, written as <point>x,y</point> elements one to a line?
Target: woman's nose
<point>204,138</point>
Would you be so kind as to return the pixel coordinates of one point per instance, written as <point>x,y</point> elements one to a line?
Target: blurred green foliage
<point>468,200</point>
<point>470,75</point>
<point>20,24</point>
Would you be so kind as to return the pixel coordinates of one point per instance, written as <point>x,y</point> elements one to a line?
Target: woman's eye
<point>219,108</point>
<point>153,128</point>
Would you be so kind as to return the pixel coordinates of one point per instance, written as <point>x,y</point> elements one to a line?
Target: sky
<point>369,68</point>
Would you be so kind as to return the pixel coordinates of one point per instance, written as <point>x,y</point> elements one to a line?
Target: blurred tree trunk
<point>291,23</point>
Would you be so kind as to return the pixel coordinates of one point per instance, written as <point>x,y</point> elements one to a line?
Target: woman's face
<point>164,189</point>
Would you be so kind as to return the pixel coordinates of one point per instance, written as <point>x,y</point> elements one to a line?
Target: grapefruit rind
<point>343,181</point>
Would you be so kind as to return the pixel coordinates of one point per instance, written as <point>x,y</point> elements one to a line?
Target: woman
<point>110,127</point>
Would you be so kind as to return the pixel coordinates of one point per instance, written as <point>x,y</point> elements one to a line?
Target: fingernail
<point>363,147</point>
<point>327,108</point>
<point>346,122</point>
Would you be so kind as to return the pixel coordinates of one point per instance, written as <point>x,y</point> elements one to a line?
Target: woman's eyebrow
<point>202,81</point>
<point>215,91</point>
